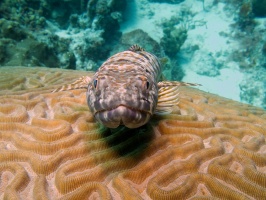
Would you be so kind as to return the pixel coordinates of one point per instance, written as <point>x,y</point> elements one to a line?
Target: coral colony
<point>51,146</point>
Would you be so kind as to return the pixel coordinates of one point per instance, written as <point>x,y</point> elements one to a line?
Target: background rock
<point>139,37</point>
<point>259,8</point>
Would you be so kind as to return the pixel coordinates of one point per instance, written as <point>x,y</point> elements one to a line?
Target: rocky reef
<point>250,56</point>
<point>167,1</point>
<point>173,39</point>
<point>259,8</point>
<point>140,37</point>
<point>72,34</point>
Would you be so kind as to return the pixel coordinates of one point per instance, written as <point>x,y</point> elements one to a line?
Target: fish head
<point>117,98</point>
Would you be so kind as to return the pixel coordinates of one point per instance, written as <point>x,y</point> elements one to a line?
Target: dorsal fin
<point>136,48</point>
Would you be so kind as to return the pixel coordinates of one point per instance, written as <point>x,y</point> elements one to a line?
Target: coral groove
<point>51,147</point>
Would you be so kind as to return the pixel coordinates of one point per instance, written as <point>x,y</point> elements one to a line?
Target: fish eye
<point>147,84</point>
<point>95,83</point>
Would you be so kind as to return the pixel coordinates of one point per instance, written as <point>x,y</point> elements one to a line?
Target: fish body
<point>126,89</point>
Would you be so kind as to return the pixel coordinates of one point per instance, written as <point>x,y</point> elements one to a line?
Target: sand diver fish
<point>126,89</point>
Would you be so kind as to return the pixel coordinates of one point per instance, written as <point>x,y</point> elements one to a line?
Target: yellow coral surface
<point>51,147</point>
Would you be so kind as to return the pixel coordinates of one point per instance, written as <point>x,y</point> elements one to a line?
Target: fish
<point>126,89</point>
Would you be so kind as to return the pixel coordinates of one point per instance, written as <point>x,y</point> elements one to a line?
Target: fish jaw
<point>123,115</point>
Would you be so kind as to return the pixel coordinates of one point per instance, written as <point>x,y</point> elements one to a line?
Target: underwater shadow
<point>129,142</point>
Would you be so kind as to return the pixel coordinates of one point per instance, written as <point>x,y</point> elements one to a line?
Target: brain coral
<point>51,147</point>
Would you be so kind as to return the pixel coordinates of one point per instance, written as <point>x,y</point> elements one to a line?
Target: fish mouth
<point>123,115</point>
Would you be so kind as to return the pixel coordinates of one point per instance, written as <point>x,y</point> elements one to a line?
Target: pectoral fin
<point>80,83</point>
<point>175,83</point>
<point>168,96</point>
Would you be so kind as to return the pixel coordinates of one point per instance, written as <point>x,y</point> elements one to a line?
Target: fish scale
<point>125,89</point>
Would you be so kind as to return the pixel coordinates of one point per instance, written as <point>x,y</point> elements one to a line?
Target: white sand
<point>147,16</point>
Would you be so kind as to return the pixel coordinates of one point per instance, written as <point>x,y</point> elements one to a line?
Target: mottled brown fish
<point>126,89</point>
